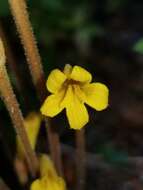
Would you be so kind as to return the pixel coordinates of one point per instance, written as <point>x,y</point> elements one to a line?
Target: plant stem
<point>80,159</point>
<point>55,147</point>
<point>12,105</point>
<point>21,17</point>
<point>12,64</point>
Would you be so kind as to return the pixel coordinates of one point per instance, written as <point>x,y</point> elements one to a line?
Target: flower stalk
<point>12,106</point>
<point>80,159</point>
<point>21,18</point>
<point>12,65</point>
<point>55,148</point>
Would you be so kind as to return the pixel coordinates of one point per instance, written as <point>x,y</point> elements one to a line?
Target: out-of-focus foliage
<point>113,5</point>
<point>4,11</point>
<point>58,16</point>
<point>138,47</point>
<point>62,21</point>
<point>114,156</point>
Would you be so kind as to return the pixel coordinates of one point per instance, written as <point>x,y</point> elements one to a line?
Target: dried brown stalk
<point>12,64</point>
<point>11,103</point>
<point>80,159</point>
<point>10,58</point>
<point>21,18</point>
<point>55,148</point>
<point>20,15</point>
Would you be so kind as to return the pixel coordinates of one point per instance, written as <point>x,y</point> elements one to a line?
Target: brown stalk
<point>80,159</point>
<point>12,64</point>
<point>10,58</point>
<point>55,147</point>
<point>12,106</point>
<point>21,17</point>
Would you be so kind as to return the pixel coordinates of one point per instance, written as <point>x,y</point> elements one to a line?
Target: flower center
<point>70,82</point>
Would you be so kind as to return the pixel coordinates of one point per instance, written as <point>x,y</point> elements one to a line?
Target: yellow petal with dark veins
<point>76,111</point>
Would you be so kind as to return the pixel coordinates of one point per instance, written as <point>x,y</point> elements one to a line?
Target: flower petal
<point>32,125</point>
<point>79,93</point>
<point>80,74</point>
<point>45,183</point>
<point>48,176</point>
<point>96,95</point>
<point>67,70</point>
<point>55,80</point>
<point>51,107</point>
<point>36,185</point>
<point>76,111</point>
<point>47,166</point>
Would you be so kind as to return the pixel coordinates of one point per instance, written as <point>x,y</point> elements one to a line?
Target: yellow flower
<point>71,89</point>
<point>49,180</point>
<point>32,124</point>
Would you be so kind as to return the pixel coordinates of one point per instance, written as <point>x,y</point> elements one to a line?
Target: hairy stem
<point>12,64</point>
<point>12,106</point>
<point>21,17</point>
